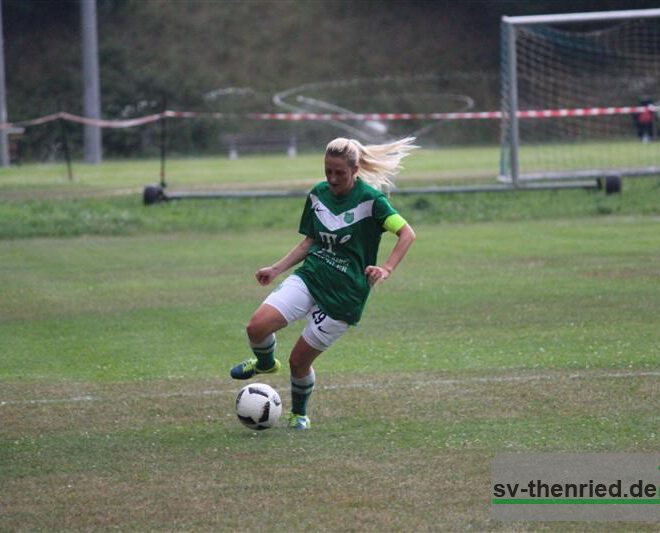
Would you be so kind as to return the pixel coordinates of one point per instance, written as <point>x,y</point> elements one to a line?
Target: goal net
<point>578,95</point>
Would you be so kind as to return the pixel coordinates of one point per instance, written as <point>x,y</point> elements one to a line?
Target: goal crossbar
<point>594,16</point>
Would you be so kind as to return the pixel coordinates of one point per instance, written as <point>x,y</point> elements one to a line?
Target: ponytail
<point>378,164</point>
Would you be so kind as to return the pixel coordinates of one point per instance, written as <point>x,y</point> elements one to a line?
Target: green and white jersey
<point>346,232</point>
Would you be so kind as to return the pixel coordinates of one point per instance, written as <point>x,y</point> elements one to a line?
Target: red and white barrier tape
<point>543,113</point>
<point>129,123</point>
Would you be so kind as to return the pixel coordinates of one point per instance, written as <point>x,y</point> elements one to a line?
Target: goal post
<point>575,90</point>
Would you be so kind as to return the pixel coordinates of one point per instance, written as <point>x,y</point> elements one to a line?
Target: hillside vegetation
<point>179,53</point>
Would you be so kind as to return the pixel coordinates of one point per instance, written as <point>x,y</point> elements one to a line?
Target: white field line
<point>346,386</point>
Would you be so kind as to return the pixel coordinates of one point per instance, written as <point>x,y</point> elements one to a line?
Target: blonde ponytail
<point>378,164</point>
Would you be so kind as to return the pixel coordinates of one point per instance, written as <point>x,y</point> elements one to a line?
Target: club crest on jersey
<point>349,217</point>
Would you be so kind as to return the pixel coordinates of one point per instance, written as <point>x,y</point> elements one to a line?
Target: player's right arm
<point>298,253</point>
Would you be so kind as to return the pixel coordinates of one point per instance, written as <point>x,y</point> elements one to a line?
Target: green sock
<point>265,352</point>
<point>301,390</point>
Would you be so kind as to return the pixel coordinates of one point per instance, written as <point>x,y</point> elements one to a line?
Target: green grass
<point>219,172</point>
<point>38,200</point>
<point>117,411</point>
<point>518,322</point>
<point>588,155</point>
<point>448,165</point>
<point>160,306</point>
<point>54,216</point>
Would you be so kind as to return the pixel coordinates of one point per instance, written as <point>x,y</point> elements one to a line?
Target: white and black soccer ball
<point>258,406</point>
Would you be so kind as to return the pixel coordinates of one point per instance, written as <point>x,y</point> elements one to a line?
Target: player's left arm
<point>405,237</point>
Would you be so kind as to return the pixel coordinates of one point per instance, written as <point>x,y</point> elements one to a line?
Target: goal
<point>579,95</point>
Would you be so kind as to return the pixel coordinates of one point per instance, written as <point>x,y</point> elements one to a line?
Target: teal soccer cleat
<point>248,369</point>
<point>298,421</point>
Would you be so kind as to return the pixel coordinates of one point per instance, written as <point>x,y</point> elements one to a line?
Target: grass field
<point>272,172</point>
<point>519,322</point>
<point>446,166</point>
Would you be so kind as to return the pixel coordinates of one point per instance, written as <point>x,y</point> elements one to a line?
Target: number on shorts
<point>318,316</point>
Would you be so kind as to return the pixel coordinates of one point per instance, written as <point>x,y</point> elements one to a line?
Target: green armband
<point>394,223</point>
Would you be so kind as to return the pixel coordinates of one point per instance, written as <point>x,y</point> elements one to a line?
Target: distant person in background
<point>645,121</point>
<point>342,223</point>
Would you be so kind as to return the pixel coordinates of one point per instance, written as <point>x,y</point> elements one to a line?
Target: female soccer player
<point>342,223</point>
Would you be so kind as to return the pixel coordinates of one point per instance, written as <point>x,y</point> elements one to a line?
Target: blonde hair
<point>378,164</point>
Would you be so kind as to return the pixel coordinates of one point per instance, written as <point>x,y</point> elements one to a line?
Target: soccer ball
<point>258,406</point>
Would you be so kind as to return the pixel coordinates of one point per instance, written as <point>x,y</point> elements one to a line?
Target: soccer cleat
<point>248,369</point>
<point>298,421</point>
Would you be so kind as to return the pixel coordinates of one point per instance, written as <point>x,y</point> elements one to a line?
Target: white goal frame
<point>510,134</point>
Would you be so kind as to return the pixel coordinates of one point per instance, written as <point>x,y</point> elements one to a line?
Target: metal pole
<point>513,101</point>
<point>65,146</point>
<point>4,144</point>
<point>163,145</point>
<point>91,80</point>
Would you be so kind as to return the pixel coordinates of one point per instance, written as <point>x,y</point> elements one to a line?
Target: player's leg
<point>261,329</point>
<point>303,380</point>
<point>287,303</point>
<point>319,334</point>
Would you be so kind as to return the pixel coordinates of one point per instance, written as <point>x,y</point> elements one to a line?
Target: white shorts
<point>293,300</point>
